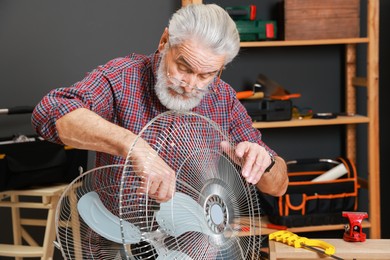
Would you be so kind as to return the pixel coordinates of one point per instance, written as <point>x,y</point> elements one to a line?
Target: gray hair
<point>209,24</point>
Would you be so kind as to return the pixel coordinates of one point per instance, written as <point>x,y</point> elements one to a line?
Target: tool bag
<point>37,162</point>
<point>27,161</point>
<point>308,203</point>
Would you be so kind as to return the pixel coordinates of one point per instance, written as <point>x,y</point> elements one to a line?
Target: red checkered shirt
<point>122,92</point>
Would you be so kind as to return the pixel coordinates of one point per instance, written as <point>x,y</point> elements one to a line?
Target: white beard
<point>181,101</point>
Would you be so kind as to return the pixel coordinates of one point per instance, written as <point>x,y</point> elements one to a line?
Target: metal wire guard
<point>211,206</point>
<point>190,144</point>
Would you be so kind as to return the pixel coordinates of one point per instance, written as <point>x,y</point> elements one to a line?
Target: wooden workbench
<point>371,249</point>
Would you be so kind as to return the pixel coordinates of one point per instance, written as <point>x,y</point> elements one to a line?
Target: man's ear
<point>163,40</point>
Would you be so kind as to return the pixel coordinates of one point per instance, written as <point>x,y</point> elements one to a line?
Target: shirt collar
<point>155,61</point>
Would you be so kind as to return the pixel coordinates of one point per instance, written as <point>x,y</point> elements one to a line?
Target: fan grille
<point>204,219</point>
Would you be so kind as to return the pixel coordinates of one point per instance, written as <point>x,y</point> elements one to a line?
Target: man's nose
<point>187,88</point>
<point>190,80</point>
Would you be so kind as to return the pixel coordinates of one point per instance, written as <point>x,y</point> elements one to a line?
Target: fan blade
<point>103,222</point>
<point>181,214</point>
<point>173,254</point>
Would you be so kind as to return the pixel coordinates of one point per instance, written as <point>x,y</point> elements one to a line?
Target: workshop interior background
<point>46,44</point>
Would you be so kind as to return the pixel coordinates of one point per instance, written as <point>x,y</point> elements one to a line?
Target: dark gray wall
<point>46,44</point>
<point>49,44</point>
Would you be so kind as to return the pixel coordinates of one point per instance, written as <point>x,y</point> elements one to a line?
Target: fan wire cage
<point>213,213</point>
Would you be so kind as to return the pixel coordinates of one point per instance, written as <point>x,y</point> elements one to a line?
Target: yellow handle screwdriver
<point>296,241</point>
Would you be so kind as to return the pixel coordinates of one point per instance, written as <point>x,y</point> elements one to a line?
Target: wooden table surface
<point>371,249</point>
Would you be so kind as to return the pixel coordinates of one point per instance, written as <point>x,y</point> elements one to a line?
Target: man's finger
<point>144,186</point>
<point>226,147</point>
<point>163,190</point>
<point>242,148</point>
<point>166,196</point>
<point>153,186</point>
<point>230,151</point>
<point>250,158</point>
<point>255,172</point>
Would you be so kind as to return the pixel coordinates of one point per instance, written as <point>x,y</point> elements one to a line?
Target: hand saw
<point>273,89</point>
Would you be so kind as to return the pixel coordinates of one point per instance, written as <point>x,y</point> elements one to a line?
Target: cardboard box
<point>321,19</point>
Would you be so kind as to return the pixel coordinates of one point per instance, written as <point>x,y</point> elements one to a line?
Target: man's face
<point>184,74</point>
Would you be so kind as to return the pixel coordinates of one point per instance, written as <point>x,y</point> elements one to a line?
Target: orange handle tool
<point>244,94</point>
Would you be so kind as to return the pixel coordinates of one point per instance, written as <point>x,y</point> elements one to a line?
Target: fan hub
<point>216,213</point>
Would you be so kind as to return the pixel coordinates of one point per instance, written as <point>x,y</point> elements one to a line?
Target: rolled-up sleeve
<point>94,92</point>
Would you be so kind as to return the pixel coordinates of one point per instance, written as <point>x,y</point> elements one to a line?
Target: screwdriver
<point>296,241</point>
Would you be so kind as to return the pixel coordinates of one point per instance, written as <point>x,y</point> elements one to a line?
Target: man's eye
<point>205,76</point>
<point>183,68</point>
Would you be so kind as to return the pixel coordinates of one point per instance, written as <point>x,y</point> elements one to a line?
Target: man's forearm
<point>275,182</point>
<point>84,129</point>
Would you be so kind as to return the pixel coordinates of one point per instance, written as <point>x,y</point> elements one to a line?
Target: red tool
<point>353,230</point>
<point>274,226</point>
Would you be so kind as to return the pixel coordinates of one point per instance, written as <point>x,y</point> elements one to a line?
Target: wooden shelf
<point>340,120</point>
<point>304,42</point>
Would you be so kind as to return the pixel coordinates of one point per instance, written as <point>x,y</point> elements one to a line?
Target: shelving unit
<point>371,83</point>
<point>304,42</point>
<point>340,120</point>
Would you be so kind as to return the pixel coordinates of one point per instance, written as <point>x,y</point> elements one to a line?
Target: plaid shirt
<point>122,92</point>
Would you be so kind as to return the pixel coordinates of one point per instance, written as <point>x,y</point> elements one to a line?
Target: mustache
<point>180,90</point>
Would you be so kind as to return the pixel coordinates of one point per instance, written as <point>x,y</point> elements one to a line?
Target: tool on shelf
<point>353,230</point>
<point>274,90</point>
<point>255,93</point>
<point>16,110</point>
<point>242,12</point>
<point>244,94</point>
<point>296,241</point>
<point>249,94</point>
<point>249,27</point>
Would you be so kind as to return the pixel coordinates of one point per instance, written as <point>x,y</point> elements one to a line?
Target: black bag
<point>268,109</point>
<point>31,161</point>
<point>308,203</point>
<point>37,163</point>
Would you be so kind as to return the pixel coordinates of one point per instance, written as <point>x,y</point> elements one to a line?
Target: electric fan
<point>213,213</point>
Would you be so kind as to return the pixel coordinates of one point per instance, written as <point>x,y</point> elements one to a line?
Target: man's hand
<point>159,180</point>
<point>97,134</point>
<point>254,159</point>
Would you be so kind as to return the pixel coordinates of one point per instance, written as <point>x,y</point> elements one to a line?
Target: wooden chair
<point>46,198</point>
